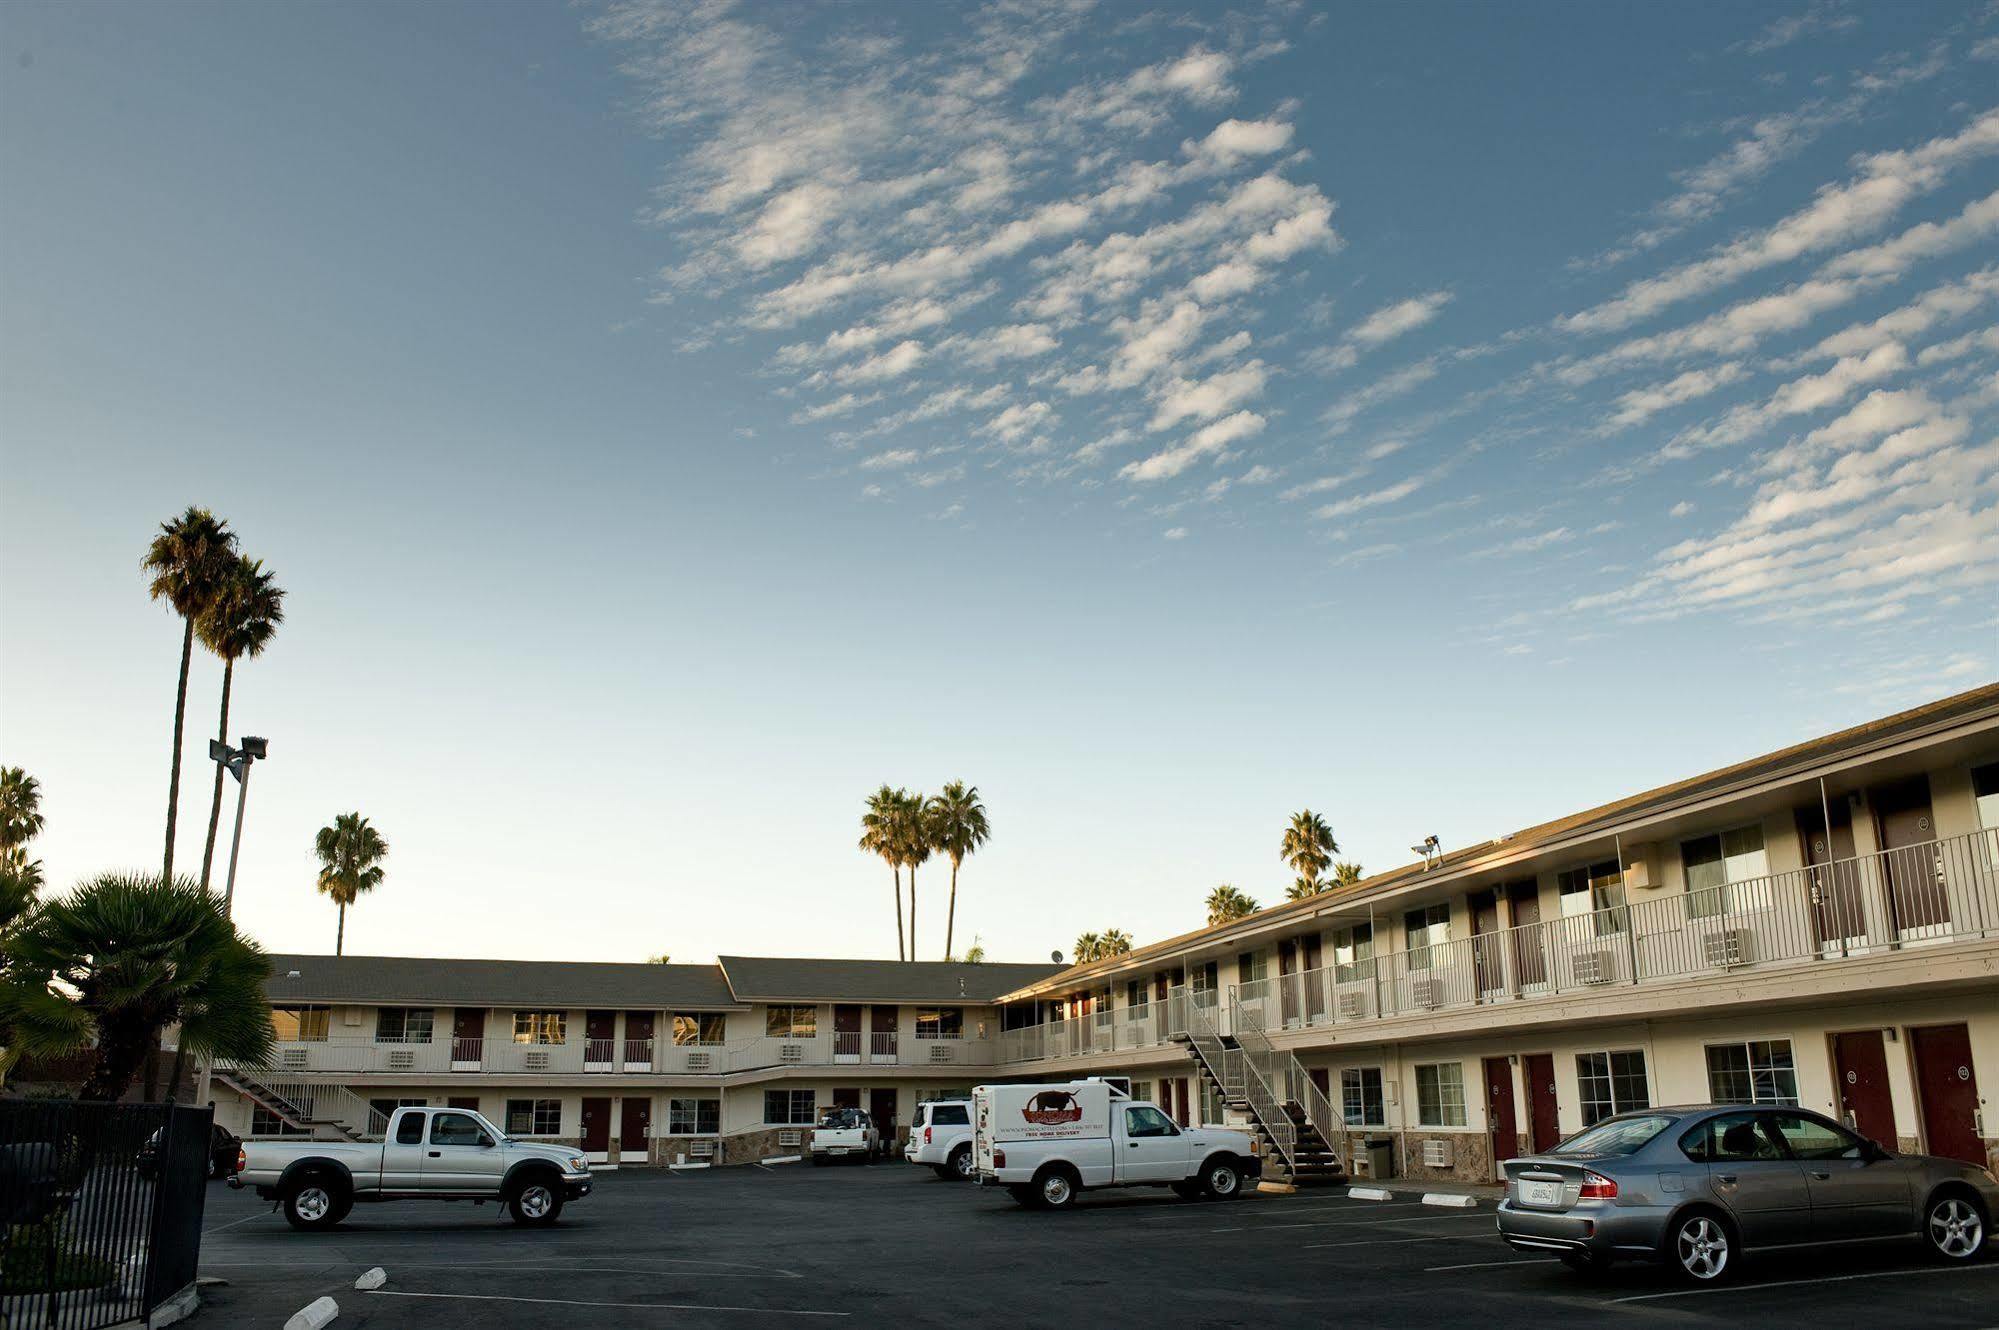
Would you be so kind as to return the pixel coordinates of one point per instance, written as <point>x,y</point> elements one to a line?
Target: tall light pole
<point>238,761</point>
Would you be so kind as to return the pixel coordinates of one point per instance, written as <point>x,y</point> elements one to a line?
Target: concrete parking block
<point>314,1315</point>
<point>374,1278</point>
<point>1456,1200</point>
<point>1370,1193</point>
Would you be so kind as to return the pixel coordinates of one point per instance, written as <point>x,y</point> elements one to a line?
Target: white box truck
<point>1047,1144</point>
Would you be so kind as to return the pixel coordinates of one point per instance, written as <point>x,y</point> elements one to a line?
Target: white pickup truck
<point>430,1154</point>
<point>1046,1144</point>
<point>845,1133</point>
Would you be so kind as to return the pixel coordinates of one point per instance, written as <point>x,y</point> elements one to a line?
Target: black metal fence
<point>101,1206</point>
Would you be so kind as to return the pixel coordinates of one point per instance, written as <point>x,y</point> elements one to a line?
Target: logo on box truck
<point>1052,1108</point>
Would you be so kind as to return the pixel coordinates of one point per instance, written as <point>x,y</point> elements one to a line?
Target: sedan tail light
<point>1597,1187</point>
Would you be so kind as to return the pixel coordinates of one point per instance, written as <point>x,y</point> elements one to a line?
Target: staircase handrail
<point>1284,1068</point>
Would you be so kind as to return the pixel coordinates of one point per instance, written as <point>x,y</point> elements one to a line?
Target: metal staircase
<point>1300,1138</point>
<point>311,1106</point>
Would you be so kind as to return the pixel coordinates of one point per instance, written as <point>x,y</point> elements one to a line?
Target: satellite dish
<point>1055,956</point>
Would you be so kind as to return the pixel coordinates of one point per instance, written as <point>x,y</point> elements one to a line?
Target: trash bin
<point>1379,1156</point>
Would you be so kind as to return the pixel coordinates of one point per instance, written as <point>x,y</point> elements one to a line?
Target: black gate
<point>102,1209</point>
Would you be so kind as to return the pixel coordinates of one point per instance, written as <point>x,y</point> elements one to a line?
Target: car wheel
<point>313,1203</point>
<point>1702,1248</point>
<point>1056,1189</point>
<point>1954,1228</point>
<point>536,1201</point>
<point>1221,1179</point>
<point>961,1163</point>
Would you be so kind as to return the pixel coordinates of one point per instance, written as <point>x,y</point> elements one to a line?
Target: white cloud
<point>1890,258</point>
<point>1814,21</point>
<point>1340,415</point>
<point>1641,404</point>
<point>1018,420</point>
<point>894,458</point>
<point>890,364</point>
<point>1015,341</point>
<point>1176,533</point>
<point>1372,499</point>
<point>1233,140</point>
<point>1204,399</point>
<point>1683,508</point>
<point>1203,442</point>
<point>838,406</point>
<point>1801,396</point>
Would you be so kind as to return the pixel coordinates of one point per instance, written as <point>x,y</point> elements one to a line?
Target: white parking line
<point>570,1302</point>
<point>262,1214</point>
<point>1794,1283</point>
<point>1382,1242</point>
<point>1352,1223</point>
<point>1485,1265</point>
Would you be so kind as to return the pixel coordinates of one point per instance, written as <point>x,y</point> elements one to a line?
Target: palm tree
<point>118,960</point>
<point>350,862</point>
<point>1346,874</point>
<point>1227,902</point>
<point>1089,946</point>
<point>188,560</point>
<point>958,826</point>
<point>1308,847</point>
<point>240,621</point>
<point>1301,888</point>
<point>20,822</point>
<point>914,838</point>
<point>1115,942</point>
<point>878,836</point>
<point>976,953</point>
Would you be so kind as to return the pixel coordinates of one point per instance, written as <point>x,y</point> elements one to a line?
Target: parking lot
<point>891,1243</point>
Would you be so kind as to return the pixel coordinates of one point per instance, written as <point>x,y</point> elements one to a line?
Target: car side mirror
<point>485,1141</point>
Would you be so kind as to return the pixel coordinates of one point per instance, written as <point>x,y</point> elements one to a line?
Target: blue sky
<point>673,420</point>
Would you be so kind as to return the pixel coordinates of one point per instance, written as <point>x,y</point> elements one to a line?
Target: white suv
<point>941,1137</point>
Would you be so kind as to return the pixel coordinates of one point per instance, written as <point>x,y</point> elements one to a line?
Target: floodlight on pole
<point>238,762</point>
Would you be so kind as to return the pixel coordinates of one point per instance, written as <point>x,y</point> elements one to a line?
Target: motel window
<point>1985,789</point>
<point>1440,1095</point>
<point>1106,1006</point>
<point>263,1122</point>
<point>1203,981</point>
<point>387,1107</point>
<point>541,1027</point>
<point>1728,873</point>
<point>1142,1090</point>
<point>1758,1072</point>
<point>1427,927</point>
<point>300,1024</point>
<point>1252,967</point>
<point>1597,890</point>
<point>940,1023</point>
<point>1360,1097</point>
<point>1353,953</point>
<point>694,1117</point>
<point>1611,1082</point>
<point>404,1025</point>
<point>789,1108</point>
<point>534,1117</point>
<point>697,1027</point>
<point>1137,997</point>
<point>791,1022</point>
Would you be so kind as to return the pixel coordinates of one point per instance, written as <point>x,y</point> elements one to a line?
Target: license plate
<point>1540,1193</point>
<point>838,1150</point>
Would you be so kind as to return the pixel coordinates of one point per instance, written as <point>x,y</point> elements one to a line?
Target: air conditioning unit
<point>791,1052</point>
<point>534,1062</point>
<point>1437,1153</point>
<point>401,1059</point>
<point>699,1061</point>
<point>1352,1006</point>
<point>1727,948</point>
<point>940,1053</point>
<point>703,1149</point>
<point>1596,967</point>
<point>292,1059</point>
<point>1427,992</point>
<point>790,1139</point>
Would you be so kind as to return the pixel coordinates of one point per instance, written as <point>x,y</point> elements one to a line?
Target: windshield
<point>840,1118</point>
<point>1615,1136</point>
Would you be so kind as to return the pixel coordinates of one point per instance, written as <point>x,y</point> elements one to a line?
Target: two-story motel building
<point>1818,925</point>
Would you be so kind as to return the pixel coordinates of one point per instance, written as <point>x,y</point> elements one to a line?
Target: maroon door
<point>468,1034</point>
<point>847,1030</point>
<point>1485,945</point>
<point>1949,1092</point>
<point>1915,878</point>
<point>1314,980</point>
<point>882,1032</point>
<point>638,1040</point>
<point>1530,962</point>
<point>635,1129</point>
<point>1180,1113</point>
<point>881,1107</point>
<point>600,1030</point>
<point>1837,913</point>
<point>1287,983</point>
<point>1543,1115</point>
<point>597,1126</point>
<point>1501,1120</point>
<point>1860,1069</point>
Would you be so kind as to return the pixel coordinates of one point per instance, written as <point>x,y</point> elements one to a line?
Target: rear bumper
<point>1625,1232</point>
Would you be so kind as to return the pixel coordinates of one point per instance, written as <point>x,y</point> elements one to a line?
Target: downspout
<point>1630,932</point>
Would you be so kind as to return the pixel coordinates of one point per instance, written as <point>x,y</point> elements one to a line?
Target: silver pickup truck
<point>430,1154</point>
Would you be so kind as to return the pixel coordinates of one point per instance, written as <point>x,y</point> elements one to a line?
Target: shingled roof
<point>431,981</point>
<point>812,979</point>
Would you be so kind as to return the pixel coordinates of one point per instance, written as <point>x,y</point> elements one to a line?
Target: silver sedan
<point>1696,1187</point>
